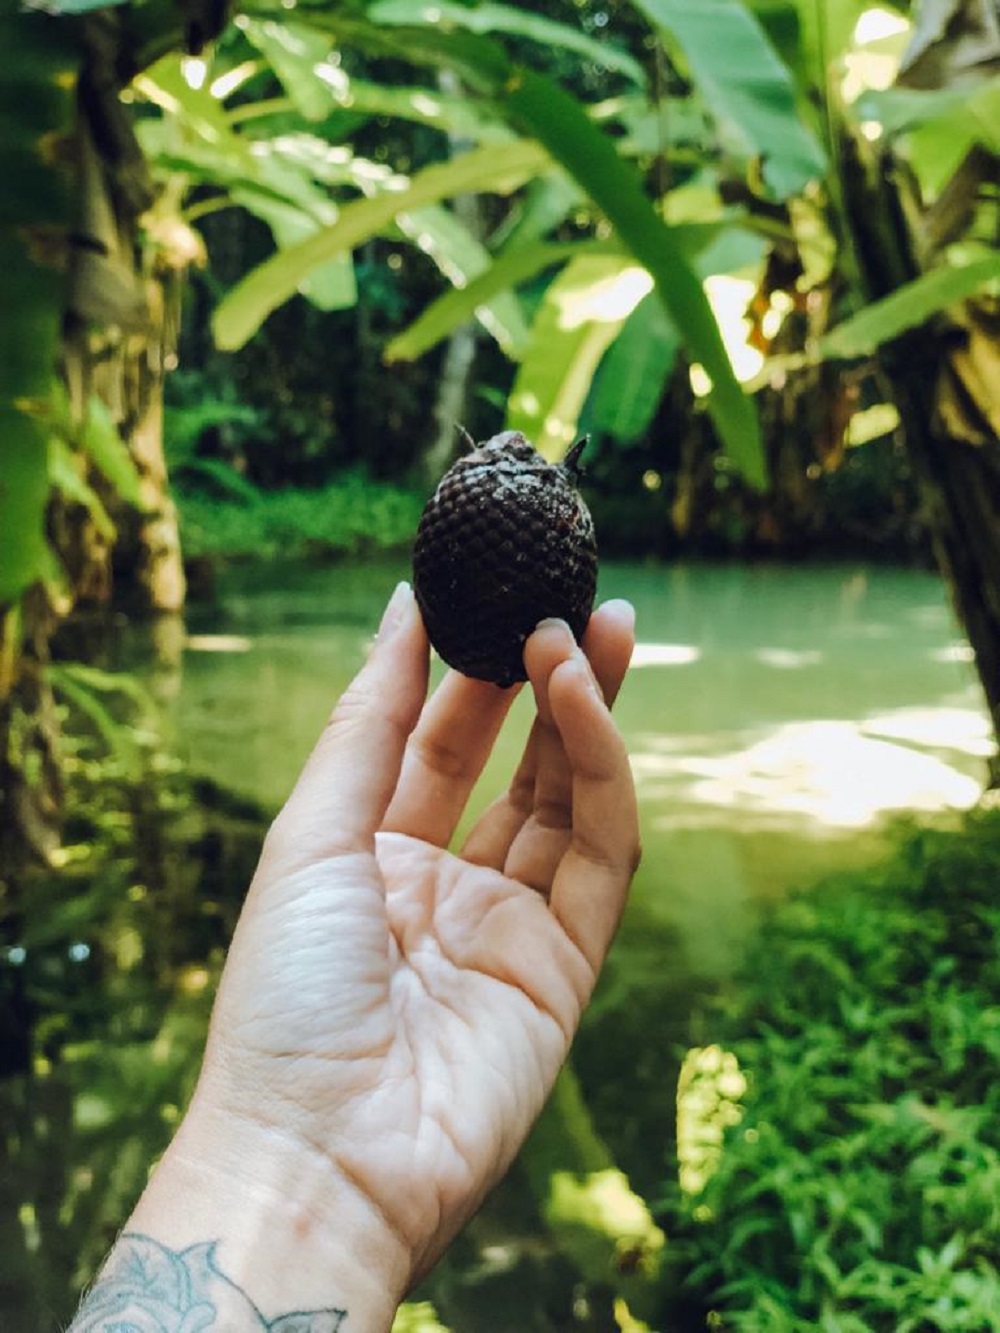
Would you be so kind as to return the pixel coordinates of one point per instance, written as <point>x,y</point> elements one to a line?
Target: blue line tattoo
<point>147,1288</point>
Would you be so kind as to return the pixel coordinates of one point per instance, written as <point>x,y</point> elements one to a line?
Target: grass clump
<point>847,1157</point>
<point>352,516</point>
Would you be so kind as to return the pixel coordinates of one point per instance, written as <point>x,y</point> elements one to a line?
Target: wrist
<point>290,1230</point>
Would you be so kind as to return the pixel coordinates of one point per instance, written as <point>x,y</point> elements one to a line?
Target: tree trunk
<point>948,414</point>
<point>122,328</point>
<point>119,326</point>
<point>960,483</point>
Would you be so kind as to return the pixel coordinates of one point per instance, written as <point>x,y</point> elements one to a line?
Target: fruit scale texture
<point>504,542</point>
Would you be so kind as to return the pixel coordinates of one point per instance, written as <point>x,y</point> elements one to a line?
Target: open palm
<point>403,1010</point>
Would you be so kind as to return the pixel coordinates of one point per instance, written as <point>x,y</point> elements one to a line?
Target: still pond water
<point>777,719</point>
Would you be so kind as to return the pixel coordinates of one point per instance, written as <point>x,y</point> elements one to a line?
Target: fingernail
<point>553,622</point>
<point>392,616</point>
<point>622,607</point>
<point>578,663</point>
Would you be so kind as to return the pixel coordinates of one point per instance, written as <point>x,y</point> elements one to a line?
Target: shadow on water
<point>776,718</point>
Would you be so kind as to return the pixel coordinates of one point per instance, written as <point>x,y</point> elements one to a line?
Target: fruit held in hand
<point>504,542</point>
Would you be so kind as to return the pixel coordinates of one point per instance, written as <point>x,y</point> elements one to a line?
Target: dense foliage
<point>858,1184</point>
<point>351,517</point>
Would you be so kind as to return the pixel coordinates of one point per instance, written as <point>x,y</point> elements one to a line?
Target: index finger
<point>347,783</point>
<point>592,881</point>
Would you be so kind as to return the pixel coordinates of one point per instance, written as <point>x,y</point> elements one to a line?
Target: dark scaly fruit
<point>504,542</point>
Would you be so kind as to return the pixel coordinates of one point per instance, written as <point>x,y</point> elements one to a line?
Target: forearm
<point>241,1231</point>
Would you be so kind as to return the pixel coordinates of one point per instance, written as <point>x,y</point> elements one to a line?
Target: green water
<point>775,716</point>
<point>777,719</point>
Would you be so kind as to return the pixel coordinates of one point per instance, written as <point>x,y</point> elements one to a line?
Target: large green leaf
<point>748,90</point>
<point>497,168</point>
<point>189,112</point>
<point>462,258</point>
<point>480,61</point>
<point>25,556</point>
<point>330,286</point>
<point>514,22</point>
<point>908,307</point>
<point>632,376</point>
<point>295,53</point>
<point>460,304</point>
<point>898,109</point>
<point>580,316</point>
<point>541,207</point>
<point>315,86</point>
<point>714,248</point>
<point>590,156</point>
<point>458,116</point>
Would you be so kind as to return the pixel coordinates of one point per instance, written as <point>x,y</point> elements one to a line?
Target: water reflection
<point>827,773</point>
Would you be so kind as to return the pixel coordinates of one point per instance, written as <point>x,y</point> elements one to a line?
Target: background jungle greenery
<point>856,1185</point>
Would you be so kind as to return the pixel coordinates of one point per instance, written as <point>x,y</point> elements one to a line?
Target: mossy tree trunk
<point>99,309</point>
<point>946,384</point>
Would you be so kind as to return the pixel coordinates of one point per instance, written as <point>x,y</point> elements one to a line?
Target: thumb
<point>345,788</point>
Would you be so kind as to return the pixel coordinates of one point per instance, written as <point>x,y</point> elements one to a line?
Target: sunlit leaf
<point>908,307</point>
<point>871,423</point>
<point>633,374</point>
<point>748,90</point>
<point>330,286</point>
<point>936,147</point>
<point>513,21</point>
<point>194,110</point>
<point>462,258</point>
<point>297,54</point>
<point>613,184</point>
<point>898,109</point>
<point>580,316</point>
<point>506,271</point>
<point>497,168</point>
<point>725,248</point>
<point>811,38</point>
<point>481,62</point>
<point>454,115</point>
<point>417,1317</point>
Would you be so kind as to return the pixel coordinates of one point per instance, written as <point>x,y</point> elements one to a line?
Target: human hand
<point>392,1014</point>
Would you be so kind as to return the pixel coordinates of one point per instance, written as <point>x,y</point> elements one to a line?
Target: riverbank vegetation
<point>840,1123</point>
<point>353,516</point>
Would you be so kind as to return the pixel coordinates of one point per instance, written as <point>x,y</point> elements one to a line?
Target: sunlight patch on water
<point>955,652</point>
<point>960,729</point>
<point>218,643</point>
<point>786,660</point>
<point>828,772</point>
<point>663,654</point>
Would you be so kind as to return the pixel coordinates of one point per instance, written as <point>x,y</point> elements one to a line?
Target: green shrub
<point>855,1182</point>
<point>350,517</point>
